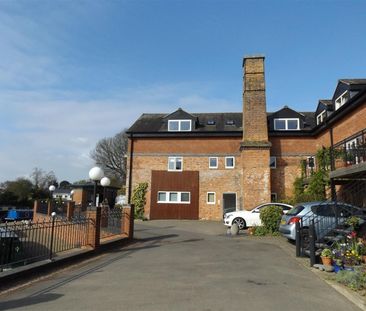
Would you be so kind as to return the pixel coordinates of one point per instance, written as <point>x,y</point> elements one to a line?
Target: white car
<point>251,218</point>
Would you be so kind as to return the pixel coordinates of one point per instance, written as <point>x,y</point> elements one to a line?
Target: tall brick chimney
<point>255,147</point>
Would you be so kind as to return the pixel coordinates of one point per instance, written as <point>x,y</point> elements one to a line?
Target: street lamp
<point>51,189</point>
<point>105,182</point>
<point>95,174</point>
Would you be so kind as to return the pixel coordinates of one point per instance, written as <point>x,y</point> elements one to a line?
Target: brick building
<point>199,165</point>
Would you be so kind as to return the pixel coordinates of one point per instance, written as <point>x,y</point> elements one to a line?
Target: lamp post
<point>95,174</point>
<point>105,182</point>
<point>51,189</point>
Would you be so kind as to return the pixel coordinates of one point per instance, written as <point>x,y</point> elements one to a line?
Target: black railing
<point>316,226</point>
<point>350,151</point>
<point>111,222</point>
<point>25,242</point>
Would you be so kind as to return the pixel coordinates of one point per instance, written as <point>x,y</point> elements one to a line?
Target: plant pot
<point>327,261</point>
<point>363,258</point>
<point>337,268</point>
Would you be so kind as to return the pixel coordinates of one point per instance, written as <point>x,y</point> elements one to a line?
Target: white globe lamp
<point>95,174</point>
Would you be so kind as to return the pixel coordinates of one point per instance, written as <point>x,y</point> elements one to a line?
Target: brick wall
<point>218,180</point>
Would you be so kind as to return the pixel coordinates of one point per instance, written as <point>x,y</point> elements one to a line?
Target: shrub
<point>260,231</point>
<point>271,217</point>
<point>139,199</point>
<point>355,280</point>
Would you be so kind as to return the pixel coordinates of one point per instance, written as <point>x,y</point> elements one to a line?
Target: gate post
<point>36,207</point>
<point>104,215</point>
<point>94,213</point>
<point>298,239</point>
<point>127,220</point>
<point>49,207</point>
<point>70,209</point>
<point>312,243</point>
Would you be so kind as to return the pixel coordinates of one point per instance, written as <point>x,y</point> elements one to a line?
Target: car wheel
<point>240,222</point>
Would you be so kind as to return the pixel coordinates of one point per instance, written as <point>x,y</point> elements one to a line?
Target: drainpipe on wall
<point>130,170</point>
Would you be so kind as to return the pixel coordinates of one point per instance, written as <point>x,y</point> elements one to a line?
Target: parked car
<point>325,212</point>
<point>251,218</point>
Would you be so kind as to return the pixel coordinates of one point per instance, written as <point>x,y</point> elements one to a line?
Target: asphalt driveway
<point>183,265</point>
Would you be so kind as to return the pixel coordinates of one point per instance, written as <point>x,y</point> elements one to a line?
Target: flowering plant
<point>353,221</point>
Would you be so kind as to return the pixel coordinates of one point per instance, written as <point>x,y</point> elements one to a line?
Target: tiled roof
<point>204,122</point>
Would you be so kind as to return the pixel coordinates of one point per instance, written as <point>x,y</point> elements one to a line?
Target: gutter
<point>130,170</point>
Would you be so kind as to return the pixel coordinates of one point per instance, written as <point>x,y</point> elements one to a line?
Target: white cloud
<point>51,131</point>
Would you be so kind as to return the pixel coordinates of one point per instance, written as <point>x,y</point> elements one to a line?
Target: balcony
<point>349,155</point>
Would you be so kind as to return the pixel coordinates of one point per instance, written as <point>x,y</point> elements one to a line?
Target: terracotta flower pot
<point>327,261</point>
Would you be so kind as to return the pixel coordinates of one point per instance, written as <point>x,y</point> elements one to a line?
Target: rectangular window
<point>185,197</point>
<point>211,197</point>
<point>273,197</point>
<point>272,162</point>
<point>213,162</point>
<point>341,100</point>
<point>179,125</point>
<point>320,117</point>
<point>174,197</point>
<point>291,124</point>
<point>229,162</point>
<point>175,164</point>
<point>161,196</point>
<point>310,162</point>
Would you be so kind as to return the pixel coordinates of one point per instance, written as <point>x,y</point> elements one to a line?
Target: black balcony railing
<point>350,151</point>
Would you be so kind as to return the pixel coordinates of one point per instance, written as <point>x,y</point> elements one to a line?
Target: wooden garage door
<point>163,181</point>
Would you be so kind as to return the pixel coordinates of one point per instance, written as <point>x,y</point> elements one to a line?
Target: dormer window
<point>230,122</point>
<point>211,122</point>
<point>320,117</point>
<point>179,125</point>
<point>288,124</point>
<point>341,100</point>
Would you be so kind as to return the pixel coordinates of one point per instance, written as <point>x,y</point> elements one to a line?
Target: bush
<point>355,280</point>
<point>259,231</point>
<point>139,199</point>
<point>271,217</point>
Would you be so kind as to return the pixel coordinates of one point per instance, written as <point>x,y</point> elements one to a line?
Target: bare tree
<point>110,153</point>
<point>42,180</point>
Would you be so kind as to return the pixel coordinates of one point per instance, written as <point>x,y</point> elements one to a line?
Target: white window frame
<point>320,117</point>
<point>275,162</point>
<point>307,162</point>
<point>214,201</point>
<point>179,197</point>
<point>230,167</point>
<point>286,124</point>
<point>341,100</point>
<point>175,164</point>
<point>180,125</point>
<point>209,162</point>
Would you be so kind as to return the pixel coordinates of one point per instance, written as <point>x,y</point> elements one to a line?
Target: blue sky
<point>73,72</point>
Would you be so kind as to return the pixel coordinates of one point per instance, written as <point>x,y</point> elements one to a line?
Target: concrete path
<point>186,265</point>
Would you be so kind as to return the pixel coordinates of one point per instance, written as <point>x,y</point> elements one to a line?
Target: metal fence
<point>25,242</point>
<point>111,222</point>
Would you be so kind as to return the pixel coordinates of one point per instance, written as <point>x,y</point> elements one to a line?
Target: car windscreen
<point>296,210</point>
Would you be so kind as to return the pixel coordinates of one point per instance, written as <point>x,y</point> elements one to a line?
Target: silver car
<point>324,213</point>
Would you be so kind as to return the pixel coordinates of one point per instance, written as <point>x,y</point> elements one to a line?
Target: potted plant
<point>326,257</point>
<point>353,222</point>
